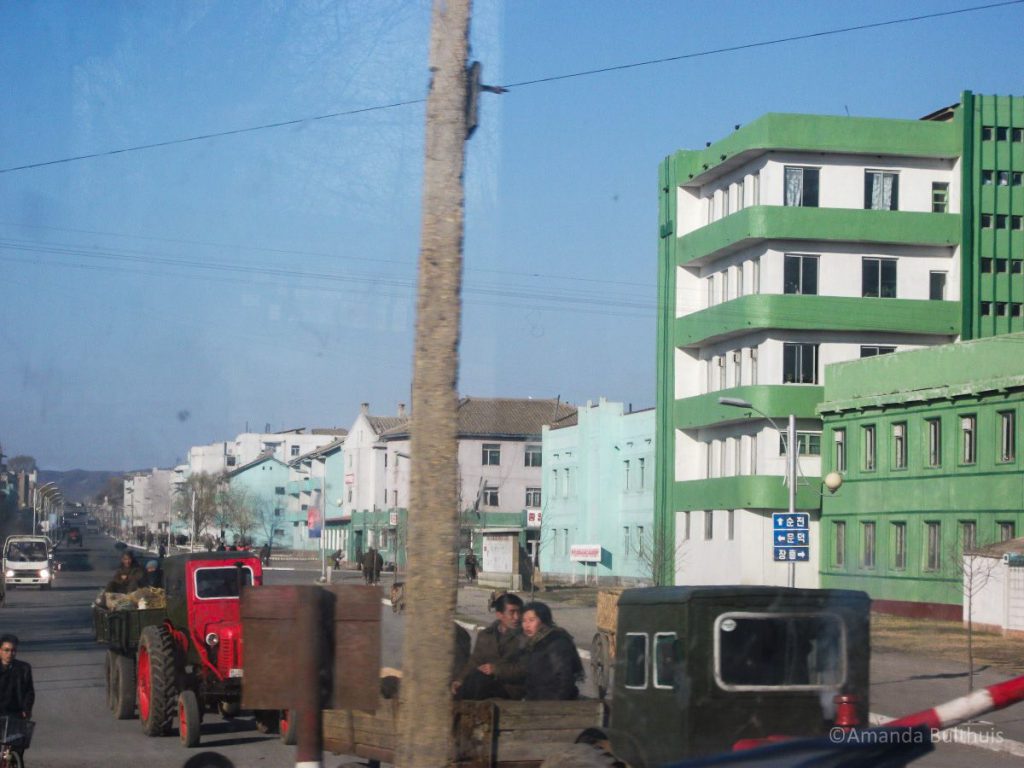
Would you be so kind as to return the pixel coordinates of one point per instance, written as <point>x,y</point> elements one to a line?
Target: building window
<point>686,526</point>
<point>808,444</point>
<point>940,197</point>
<point>873,350</point>
<point>753,365</point>
<point>277,512</point>
<point>755,197</point>
<point>801,186</point>
<point>968,439</point>
<point>933,552</point>
<point>800,275</point>
<point>839,447</point>
<point>279,490</point>
<point>899,445</point>
<point>490,496</point>
<point>737,368</point>
<point>568,483</point>
<point>491,455</point>
<point>881,191</point>
<point>937,286</point>
<point>711,290</point>
<point>800,363</point>
<point>532,498</point>
<point>642,468</point>
<point>641,544</point>
<point>295,450</point>
<point>533,456</point>
<point>565,541</point>
<point>868,436</point>
<point>899,546</point>
<point>709,524</point>
<point>755,275</point>
<point>731,520</point>
<point>934,442</point>
<point>625,541</point>
<point>839,543</point>
<point>231,461</point>
<point>878,278</point>
<point>968,535</point>
<point>1007,435</point>
<point>1007,530</point>
<point>625,474</point>
<point>739,195</point>
<point>867,538</point>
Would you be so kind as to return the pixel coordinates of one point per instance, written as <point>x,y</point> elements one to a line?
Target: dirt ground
<point>945,640</point>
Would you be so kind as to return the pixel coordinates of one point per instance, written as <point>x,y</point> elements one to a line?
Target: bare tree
<point>658,555</point>
<point>425,720</point>
<point>196,504</point>
<point>975,570</point>
<point>265,517</point>
<point>235,510</point>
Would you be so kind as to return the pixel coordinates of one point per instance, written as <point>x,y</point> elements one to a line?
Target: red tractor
<point>186,659</point>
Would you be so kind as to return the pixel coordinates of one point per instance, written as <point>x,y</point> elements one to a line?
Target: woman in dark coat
<point>128,577</point>
<point>553,666</point>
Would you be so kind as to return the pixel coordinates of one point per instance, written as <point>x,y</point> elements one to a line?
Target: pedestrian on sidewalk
<point>471,566</point>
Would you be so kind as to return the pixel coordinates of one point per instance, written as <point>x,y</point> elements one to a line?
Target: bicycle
<point>15,738</point>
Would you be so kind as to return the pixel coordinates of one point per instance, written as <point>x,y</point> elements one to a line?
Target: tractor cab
<point>700,669</point>
<point>203,591</point>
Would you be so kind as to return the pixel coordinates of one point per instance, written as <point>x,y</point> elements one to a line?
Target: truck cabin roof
<point>728,594</point>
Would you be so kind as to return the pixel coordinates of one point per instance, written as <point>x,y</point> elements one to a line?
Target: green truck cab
<point>698,669</point>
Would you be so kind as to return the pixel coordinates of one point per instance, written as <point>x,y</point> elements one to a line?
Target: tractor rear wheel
<point>110,670</point>
<point>188,719</point>
<point>156,680</point>
<point>124,688</point>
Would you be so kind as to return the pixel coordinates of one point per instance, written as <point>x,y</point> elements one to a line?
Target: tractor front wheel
<point>156,688</point>
<point>188,719</point>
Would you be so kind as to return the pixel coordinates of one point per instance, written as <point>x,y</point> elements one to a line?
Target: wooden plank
<point>546,715</point>
<point>525,749</point>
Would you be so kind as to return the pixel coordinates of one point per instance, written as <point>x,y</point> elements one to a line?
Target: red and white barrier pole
<point>964,708</point>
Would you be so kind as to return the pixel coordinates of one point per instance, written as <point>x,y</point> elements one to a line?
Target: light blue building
<point>264,482</point>
<point>317,480</point>
<point>598,496</point>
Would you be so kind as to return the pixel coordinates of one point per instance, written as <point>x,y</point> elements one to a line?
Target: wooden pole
<point>432,581</point>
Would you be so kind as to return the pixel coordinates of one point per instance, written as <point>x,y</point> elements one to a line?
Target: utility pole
<point>432,580</point>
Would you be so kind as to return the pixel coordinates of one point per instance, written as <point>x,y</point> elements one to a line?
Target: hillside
<point>78,484</point>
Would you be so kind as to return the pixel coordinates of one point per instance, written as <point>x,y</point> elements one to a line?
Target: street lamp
<point>791,463</point>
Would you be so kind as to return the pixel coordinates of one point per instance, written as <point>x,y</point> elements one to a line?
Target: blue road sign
<point>791,537</point>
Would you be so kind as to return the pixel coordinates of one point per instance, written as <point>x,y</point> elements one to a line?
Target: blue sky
<point>157,299</point>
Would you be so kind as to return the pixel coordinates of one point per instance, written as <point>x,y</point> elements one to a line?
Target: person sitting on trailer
<point>494,670</point>
<point>552,663</point>
<point>128,577</point>
<point>154,575</point>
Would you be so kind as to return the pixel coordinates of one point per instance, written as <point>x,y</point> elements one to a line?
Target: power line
<point>764,43</point>
<point>520,84</point>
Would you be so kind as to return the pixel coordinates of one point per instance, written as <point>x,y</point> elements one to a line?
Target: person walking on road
<point>471,566</point>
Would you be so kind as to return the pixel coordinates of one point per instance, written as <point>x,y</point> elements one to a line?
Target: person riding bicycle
<point>17,693</point>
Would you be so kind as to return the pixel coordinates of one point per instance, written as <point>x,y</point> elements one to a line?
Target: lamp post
<point>791,464</point>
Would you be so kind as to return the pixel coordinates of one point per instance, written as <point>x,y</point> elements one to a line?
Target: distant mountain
<point>78,484</point>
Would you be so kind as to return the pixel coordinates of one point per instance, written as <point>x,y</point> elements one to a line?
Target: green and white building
<point>800,241</point>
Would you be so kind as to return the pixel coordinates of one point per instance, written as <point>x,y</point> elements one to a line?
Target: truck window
<point>220,582</point>
<point>27,551</point>
<point>667,657</point>
<point>755,651</point>
<point>636,660</point>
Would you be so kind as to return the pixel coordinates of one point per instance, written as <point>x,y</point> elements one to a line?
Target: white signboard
<point>498,553</point>
<point>585,553</point>
<point>533,518</point>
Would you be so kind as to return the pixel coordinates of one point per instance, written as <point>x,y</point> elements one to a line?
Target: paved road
<point>74,728</point>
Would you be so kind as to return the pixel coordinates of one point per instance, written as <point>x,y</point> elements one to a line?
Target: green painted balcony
<point>777,400</point>
<point>819,133</point>
<point>848,225</point>
<point>744,492</point>
<point>822,313</point>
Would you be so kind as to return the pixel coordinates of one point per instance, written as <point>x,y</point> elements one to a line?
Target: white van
<point>27,560</point>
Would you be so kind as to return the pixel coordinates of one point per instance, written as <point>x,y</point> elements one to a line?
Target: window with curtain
<point>801,186</point>
<point>881,191</point>
<point>800,274</point>
<point>878,278</point>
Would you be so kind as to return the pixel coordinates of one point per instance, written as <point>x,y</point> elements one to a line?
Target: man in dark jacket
<point>17,694</point>
<point>128,577</point>
<point>552,663</point>
<point>494,670</point>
